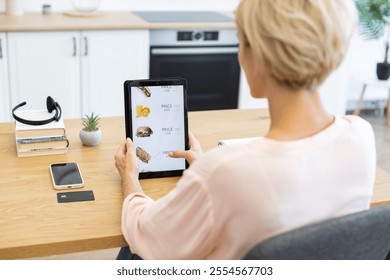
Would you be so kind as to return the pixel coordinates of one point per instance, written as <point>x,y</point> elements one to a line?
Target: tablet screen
<point>157,125</point>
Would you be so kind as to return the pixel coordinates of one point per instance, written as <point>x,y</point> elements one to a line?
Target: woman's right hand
<point>192,154</point>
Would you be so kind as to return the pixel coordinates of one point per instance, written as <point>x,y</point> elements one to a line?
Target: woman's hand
<point>125,163</point>
<point>192,154</point>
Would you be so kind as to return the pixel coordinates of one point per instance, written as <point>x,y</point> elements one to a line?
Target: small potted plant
<point>90,134</point>
<point>374,20</point>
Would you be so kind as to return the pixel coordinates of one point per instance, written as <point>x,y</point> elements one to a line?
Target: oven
<point>207,59</point>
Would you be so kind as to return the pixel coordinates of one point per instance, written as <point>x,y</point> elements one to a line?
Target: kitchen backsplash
<point>134,5</point>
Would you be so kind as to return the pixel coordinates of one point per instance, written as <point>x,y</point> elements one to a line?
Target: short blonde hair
<point>299,41</point>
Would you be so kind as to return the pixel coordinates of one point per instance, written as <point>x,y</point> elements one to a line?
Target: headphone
<point>51,106</point>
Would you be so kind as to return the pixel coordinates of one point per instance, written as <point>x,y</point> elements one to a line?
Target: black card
<point>75,196</point>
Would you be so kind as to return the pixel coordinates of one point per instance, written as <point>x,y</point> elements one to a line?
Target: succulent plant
<point>91,122</point>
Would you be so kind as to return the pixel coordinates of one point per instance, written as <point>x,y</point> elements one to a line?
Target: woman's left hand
<point>126,164</point>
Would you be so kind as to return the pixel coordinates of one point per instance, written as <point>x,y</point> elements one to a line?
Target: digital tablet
<point>156,122</point>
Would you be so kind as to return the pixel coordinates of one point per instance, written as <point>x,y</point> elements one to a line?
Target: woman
<point>310,166</point>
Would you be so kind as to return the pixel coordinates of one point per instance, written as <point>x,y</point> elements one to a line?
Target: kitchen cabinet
<point>5,111</point>
<point>108,59</point>
<point>83,71</point>
<point>45,64</point>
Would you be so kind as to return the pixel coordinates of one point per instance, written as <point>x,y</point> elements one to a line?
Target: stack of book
<point>40,140</point>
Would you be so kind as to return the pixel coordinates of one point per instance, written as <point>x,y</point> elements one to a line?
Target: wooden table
<point>33,224</point>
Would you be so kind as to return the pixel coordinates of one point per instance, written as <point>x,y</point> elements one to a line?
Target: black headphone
<point>50,104</point>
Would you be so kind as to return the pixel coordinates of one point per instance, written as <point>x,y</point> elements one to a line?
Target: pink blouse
<point>239,195</point>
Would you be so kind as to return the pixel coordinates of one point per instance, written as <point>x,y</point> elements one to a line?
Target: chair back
<point>362,235</point>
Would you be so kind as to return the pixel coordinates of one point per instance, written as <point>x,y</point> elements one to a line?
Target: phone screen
<point>66,174</point>
<point>158,126</point>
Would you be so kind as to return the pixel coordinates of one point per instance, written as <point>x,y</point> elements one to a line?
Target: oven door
<point>213,73</point>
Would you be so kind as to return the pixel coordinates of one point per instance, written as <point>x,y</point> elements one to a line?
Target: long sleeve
<point>178,226</point>
<point>236,196</point>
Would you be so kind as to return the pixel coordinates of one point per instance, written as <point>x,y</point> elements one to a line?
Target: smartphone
<point>66,175</point>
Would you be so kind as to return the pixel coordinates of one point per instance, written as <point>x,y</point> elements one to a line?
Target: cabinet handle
<point>1,49</point>
<point>85,46</point>
<point>74,47</point>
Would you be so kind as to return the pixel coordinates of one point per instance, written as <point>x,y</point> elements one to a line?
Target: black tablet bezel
<point>128,114</point>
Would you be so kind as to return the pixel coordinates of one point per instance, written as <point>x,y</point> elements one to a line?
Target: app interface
<point>158,126</point>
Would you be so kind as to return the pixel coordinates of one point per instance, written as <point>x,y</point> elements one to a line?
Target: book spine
<point>39,150</point>
<point>42,153</point>
<point>41,139</point>
<point>42,133</point>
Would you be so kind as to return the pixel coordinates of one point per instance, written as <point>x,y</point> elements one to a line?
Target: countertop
<point>104,21</point>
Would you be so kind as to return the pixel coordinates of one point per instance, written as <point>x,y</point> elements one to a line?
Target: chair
<point>362,235</point>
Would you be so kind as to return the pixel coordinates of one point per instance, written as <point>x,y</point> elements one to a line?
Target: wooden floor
<point>382,136</point>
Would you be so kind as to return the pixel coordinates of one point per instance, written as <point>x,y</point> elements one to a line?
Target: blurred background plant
<point>374,18</point>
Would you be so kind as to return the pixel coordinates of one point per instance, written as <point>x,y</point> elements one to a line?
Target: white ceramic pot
<point>90,138</point>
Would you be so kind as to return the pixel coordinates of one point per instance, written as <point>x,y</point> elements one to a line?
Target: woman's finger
<point>178,154</point>
<point>129,145</point>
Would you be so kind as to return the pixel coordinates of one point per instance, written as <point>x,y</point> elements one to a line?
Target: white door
<point>45,64</point>
<point>5,106</point>
<point>108,59</point>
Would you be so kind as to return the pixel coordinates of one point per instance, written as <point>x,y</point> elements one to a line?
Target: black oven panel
<point>193,36</point>
<point>206,59</point>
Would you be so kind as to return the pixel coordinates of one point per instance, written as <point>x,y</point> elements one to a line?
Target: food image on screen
<point>144,131</point>
<point>146,91</point>
<point>142,111</point>
<point>142,154</point>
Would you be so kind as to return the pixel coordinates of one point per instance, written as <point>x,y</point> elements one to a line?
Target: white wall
<point>134,5</point>
<point>363,57</point>
<point>346,82</point>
